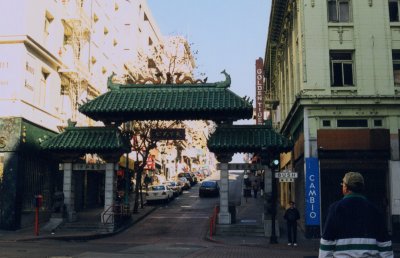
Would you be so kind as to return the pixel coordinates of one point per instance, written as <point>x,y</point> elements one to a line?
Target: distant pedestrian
<point>291,216</point>
<point>147,181</point>
<point>256,187</point>
<point>354,227</point>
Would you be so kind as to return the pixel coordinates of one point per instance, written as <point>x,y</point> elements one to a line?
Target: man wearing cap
<point>291,216</point>
<point>354,227</point>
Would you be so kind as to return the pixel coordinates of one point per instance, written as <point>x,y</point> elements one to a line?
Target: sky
<point>228,34</point>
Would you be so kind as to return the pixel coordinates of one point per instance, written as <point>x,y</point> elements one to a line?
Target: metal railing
<point>115,214</point>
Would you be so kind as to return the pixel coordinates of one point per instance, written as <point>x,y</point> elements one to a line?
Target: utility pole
<point>274,165</point>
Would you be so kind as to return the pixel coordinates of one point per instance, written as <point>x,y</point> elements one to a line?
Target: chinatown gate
<point>124,103</point>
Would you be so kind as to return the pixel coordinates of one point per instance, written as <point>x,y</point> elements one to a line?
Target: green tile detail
<point>87,139</point>
<point>247,138</point>
<point>208,101</point>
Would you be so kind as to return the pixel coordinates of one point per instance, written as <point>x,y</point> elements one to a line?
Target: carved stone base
<point>224,218</point>
<point>267,228</point>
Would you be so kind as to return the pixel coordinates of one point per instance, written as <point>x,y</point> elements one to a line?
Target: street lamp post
<point>273,239</point>
<point>268,158</point>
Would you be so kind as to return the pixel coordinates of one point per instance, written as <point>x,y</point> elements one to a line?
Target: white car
<point>159,192</point>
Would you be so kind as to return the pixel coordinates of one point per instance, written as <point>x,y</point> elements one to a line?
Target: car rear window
<point>158,188</point>
<point>208,183</point>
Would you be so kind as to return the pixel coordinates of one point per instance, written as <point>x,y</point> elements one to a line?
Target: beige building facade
<point>332,85</point>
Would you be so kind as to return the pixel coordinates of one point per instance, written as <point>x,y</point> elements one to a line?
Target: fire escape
<point>75,78</point>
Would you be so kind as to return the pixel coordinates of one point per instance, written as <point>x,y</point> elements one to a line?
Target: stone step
<point>81,226</point>
<point>240,230</point>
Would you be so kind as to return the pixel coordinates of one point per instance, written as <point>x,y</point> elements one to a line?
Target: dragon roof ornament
<point>198,83</point>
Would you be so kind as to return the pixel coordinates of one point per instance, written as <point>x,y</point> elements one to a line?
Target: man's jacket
<point>355,228</point>
<point>291,215</point>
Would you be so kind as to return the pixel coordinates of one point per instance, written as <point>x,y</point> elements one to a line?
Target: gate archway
<point>203,101</point>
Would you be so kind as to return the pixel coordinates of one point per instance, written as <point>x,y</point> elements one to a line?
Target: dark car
<point>209,188</point>
<point>189,176</point>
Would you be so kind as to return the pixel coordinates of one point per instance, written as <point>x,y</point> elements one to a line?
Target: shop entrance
<point>375,176</point>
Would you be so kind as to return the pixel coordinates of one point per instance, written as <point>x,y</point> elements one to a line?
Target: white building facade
<point>55,55</point>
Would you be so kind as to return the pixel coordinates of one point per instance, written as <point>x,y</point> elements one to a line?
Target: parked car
<point>159,193</point>
<point>189,176</point>
<point>175,186</point>
<point>209,188</point>
<point>194,177</point>
<point>200,175</point>
<point>184,182</point>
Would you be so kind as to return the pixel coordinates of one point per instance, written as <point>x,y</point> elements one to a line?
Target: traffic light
<point>274,164</point>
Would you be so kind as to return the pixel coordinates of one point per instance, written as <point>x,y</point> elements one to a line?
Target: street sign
<point>286,180</point>
<point>243,166</point>
<point>287,174</point>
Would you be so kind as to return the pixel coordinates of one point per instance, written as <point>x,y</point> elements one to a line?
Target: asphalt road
<point>177,229</point>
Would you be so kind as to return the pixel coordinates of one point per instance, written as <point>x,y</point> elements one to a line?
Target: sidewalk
<point>28,234</point>
<point>250,211</point>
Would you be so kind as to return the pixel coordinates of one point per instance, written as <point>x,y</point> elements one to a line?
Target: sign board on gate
<point>167,134</point>
<point>243,166</point>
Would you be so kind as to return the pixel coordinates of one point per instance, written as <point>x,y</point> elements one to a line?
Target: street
<point>177,229</point>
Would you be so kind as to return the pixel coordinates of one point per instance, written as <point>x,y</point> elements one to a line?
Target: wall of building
<point>301,76</point>
<point>54,56</point>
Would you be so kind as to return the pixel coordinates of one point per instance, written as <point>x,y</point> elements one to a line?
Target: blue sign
<point>312,194</point>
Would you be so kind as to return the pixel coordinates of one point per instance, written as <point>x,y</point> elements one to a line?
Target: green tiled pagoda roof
<point>247,139</point>
<point>205,101</point>
<point>87,140</point>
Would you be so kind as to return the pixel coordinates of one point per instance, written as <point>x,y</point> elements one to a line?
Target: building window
<point>326,123</point>
<point>47,23</point>
<point>378,123</point>
<point>95,18</point>
<point>352,123</point>
<point>394,10</point>
<point>396,67</point>
<point>42,90</point>
<point>339,10</point>
<point>341,69</point>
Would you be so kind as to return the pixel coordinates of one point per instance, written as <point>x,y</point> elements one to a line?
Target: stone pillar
<point>224,216</point>
<point>68,189</point>
<point>109,194</point>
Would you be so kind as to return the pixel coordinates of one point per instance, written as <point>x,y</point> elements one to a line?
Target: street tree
<point>142,144</point>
